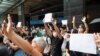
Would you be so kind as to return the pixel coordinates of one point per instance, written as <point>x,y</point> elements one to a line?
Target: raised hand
<point>7,29</point>
<point>73,21</point>
<point>18,40</point>
<point>84,19</point>
<point>54,21</point>
<point>97,39</point>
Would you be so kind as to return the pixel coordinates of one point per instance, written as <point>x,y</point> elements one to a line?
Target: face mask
<point>43,33</point>
<point>44,30</point>
<point>80,30</point>
<point>54,34</point>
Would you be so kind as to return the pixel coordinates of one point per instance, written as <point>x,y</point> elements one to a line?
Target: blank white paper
<point>83,43</point>
<point>48,17</point>
<point>64,22</point>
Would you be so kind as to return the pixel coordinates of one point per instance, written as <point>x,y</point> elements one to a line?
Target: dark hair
<point>68,31</point>
<point>63,27</point>
<point>29,38</point>
<point>1,38</point>
<point>74,31</point>
<point>82,25</point>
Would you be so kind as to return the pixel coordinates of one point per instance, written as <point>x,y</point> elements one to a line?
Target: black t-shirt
<point>4,50</point>
<point>56,44</point>
<point>67,45</point>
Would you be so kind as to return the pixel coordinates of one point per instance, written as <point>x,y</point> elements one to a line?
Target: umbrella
<point>97,20</point>
<point>94,25</point>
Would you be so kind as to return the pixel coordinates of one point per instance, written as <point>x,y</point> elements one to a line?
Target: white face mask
<point>54,34</point>
<point>80,30</point>
<point>43,29</point>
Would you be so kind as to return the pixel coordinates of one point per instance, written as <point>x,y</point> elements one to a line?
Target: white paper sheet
<point>83,43</point>
<point>64,22</point>
<point>48,18</point>
<point>19,24</point>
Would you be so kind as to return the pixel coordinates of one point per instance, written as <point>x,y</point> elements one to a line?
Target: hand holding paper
<point>54,21</point>
<point>19,25</point>
<point>47,18</point>
<point>64,22</point>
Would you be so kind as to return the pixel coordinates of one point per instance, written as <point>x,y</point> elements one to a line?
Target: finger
<point>9,25</point>
<point>3,29</point>
<point>0,32</point>
<point>98,41</point>
<point>9,18</point>
<point>73,21</point>
<point>84,18</point>
<point>98,35</point>
<point>98,45</point>
<point>73,18</point>
<point>95,36</point>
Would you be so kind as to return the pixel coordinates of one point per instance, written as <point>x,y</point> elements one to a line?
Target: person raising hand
<point>36,49</point>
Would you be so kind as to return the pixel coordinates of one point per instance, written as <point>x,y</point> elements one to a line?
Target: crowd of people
<point>49,40</point>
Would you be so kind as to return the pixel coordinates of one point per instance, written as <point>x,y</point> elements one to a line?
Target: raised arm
<point>56,28</point>
<point>48,32</point>
<point>86,25</point>
<point>74,23</point>
<point>23,44</point>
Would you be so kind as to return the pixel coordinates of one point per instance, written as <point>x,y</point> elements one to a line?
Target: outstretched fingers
<point>97,39</point>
